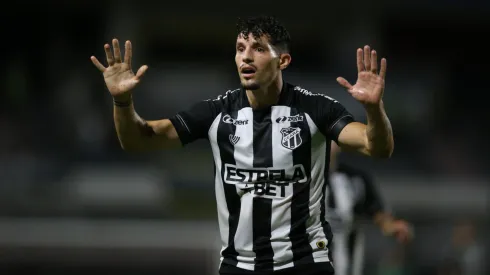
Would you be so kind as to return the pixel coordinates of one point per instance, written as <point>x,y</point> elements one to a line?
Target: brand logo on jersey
<point>235,175</point>
<point>228,119</point>
<point>294,118</point>
<point>291,138</point>
<point>270,190</point>
<point>233,139</point>
<point>220,97</point>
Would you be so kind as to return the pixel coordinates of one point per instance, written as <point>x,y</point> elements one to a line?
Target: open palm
<point>369,87</point>
<point>119,76</point>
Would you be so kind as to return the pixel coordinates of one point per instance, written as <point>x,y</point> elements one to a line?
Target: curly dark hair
<point>265,25</point>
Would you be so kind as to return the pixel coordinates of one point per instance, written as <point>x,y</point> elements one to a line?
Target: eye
<point>260,49</point>
<point>239,49</point>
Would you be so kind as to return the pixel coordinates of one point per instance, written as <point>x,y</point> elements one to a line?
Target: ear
<point>284,60</point>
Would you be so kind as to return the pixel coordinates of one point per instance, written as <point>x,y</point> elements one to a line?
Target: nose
<point>247,56</point>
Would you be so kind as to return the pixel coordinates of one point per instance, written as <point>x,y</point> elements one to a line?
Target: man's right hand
<point>119,76</point>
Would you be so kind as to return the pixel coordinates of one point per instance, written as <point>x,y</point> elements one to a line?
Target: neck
<point>266,96</point>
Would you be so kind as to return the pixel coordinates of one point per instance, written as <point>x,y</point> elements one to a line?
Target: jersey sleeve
<point>194,123</point>
<point>330,116</point>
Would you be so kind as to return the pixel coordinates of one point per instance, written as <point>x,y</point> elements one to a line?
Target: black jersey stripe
<point>262,207</point>
<point>300,211</point>
<point>226,150</point>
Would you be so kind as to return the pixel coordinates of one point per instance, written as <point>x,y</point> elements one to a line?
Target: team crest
<point>291,139</point>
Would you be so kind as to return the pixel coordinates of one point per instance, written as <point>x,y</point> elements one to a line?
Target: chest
<point>279,129</point>
<point>268,149</point>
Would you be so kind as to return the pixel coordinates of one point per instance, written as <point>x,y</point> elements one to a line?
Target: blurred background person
<point>352,198</point>
<point>465,250</point>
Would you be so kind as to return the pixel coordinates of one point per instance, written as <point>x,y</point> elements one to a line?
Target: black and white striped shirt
<point>270,169</point>
<point>352,197</point>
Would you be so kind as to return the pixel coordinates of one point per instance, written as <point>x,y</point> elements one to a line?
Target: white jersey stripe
<point>358,254</point>
<point>244,245</point>
<point>300,201</point>
<point>344,199</point>
<point>318,151</point>
<point>220,193</point>
<point>341,253</point>
<point>243,155</point>
<point>232,198</point>
<point>282,157</point>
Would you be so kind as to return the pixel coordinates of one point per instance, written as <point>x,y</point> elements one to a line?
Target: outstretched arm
<point>375,138</point>
<point>373,206</point>
<point>397,228</point>
<point>137,134</point>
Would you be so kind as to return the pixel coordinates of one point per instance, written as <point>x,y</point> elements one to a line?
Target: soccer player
<point>270,141</point>
<point>352,196</point>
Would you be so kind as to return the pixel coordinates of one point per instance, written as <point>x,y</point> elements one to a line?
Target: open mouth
<point>248,71</point>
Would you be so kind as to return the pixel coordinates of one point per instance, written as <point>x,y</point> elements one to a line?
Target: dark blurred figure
<point>449,267</point>
<point>352,197</point>
<point>466,250</point>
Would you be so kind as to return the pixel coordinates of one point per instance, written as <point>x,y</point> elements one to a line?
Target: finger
<point>342,81</point>
<point>360,65</point>
<point>117,51</point>
<point>141,71</point>
<point>128,53</point>
<point>382,70</point>
<point>374,62</point>
<point>97,64</point>
<point>367,62</point>
<point>108,54</point>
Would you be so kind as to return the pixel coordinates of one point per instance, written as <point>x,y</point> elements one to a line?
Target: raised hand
<point>369,87</point>
<point>119,76</point>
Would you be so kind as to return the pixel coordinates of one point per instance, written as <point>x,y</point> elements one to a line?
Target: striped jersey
<point>271,170</point>
<point>352,197</point>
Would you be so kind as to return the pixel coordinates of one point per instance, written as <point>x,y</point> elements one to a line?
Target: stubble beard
<point>251,86</point>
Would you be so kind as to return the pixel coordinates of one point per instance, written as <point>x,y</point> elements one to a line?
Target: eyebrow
<point>254,44</point>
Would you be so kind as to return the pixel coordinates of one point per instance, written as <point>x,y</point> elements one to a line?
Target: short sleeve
<point>194,123</point>
<point>371,202</point>
<point>330,116</point>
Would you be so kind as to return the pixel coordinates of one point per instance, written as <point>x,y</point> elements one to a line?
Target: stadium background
<point>71,201</point>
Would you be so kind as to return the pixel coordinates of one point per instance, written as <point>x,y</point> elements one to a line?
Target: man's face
<point>257,62</point>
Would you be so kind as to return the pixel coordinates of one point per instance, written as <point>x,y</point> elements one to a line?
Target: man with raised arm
<point>270,141</point>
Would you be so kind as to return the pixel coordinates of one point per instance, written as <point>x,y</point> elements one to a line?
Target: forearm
<point>130,127</point>
<point>379,132</point>
<point>384,221</point>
